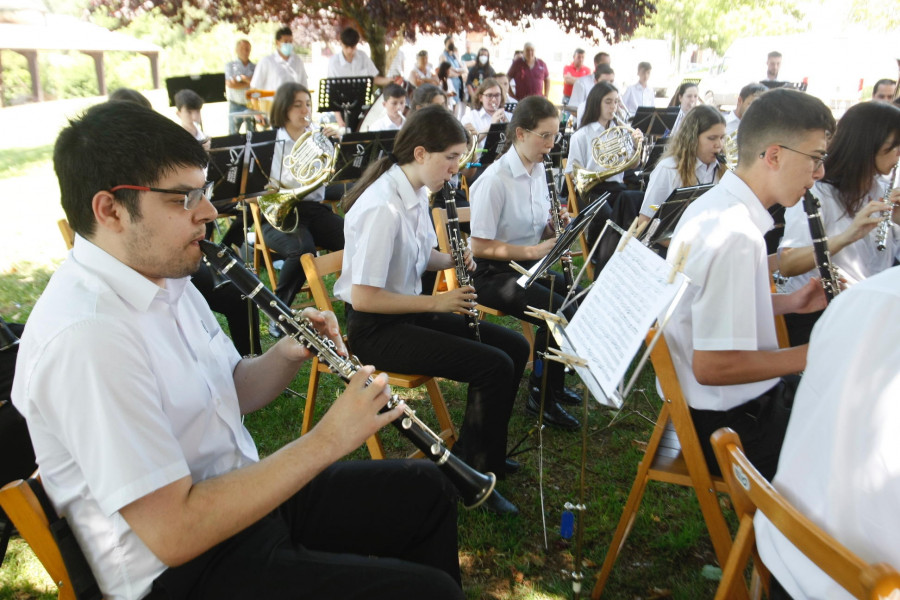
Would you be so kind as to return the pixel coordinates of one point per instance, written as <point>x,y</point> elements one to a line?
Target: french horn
<point>615,150</point>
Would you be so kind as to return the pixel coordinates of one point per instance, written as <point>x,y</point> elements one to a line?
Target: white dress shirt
<point>581,89</point>
<point>727,305</point>
<point>508,204</point>
<point>664,180</point>
<point>638,95</point>
<point>282,177</point>
<point>580,150</point>
<point>840,462</point>
<point>856,262</point>
<point>126,387</point>
<point>273,70</point>
<point>389,237</point>
<point>385,124</point>
<point>732,122</point>
<point>360,66</point>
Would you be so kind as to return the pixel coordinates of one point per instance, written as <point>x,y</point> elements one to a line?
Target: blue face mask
<point>287,48</point>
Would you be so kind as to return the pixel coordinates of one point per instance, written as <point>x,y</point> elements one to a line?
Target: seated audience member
<point>317,224</point>
<point>689,158</point>
<point>422,72</point>
<point>722,332</point>
<point>149,462</point>
<point>884,90</point>
<point>479,72</point>
<point>639,94</point>
<point>394,99</point>
<point>428,94</point>
<point>865,148</point>
<point>686,98</point>
<point>839,464</point>
<point>602,73</point>
<point>747,95</point>
<point>188,104</point>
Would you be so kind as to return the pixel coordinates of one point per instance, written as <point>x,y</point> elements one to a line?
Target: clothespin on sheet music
<point>680,259</point>
<point>519,268</point>
<point>566,359</point>
<point>633,231</point>
<point>539,313</point>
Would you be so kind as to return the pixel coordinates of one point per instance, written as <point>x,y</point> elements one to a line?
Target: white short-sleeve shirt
<point>732,122</point>
<point>638,95</point>
<point>126,387</point>
<point>856,262</point>
<point>664,180</point>
<point>273,70</point>
<point>281,176</point>
<point>580,150</point>
<point>508,204</point>
<point>389,237</point>
<point>581,89</point>
<point>727,305</point>
<point>385,124</point>
<point>360,66</point>
<point>840,462</point>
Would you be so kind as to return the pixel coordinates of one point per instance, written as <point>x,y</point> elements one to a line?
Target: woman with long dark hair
<point>511,221</point>
<point>686,97</point>
<point>689,159</point>
<point>863,152</point>
<point>390,243</point>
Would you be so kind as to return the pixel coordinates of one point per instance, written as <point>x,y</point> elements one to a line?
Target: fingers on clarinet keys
<point>554,414</point>
<point>499,505</point>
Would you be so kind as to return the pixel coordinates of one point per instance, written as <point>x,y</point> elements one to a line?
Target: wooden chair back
<point>316,269</point>
<point>751,492</point>
<point>261,252</point>
<point>673,455</point>
<point>67,232</point>
<point>23,508</point>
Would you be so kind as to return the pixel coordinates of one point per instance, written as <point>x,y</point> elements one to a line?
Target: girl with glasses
<point>861,156</point>
<point>511,220</point>
<point>391,324</point>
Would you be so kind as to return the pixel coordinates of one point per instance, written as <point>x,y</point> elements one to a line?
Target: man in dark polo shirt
<point>531,75</point>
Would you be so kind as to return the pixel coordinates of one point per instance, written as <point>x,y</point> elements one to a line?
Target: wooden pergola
<point>27,28</point>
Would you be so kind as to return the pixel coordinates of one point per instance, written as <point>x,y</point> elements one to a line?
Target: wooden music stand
<point>673,455</point>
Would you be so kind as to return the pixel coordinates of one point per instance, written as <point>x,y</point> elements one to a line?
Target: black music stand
<point>495,137</point>
<point>662,226</point>
<point>346,95</point>
<point>210,86</point>
<point>357,150</point>
<point>560,149</point>
<point>228,155</point>
<point>655,122</point>
<point>567,238</point>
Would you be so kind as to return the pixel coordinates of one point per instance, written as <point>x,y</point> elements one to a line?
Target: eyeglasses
<point>191,197</point>
<point>547,136</point>
<point>818,161</point>
<point>490,95</point>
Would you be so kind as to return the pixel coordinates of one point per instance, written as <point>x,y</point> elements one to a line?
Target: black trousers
<point>319,226</point>
<point>760,423</point>
<point>360,530</point>
<point>497,288</point>
<point>800,326</point>
<point>440,345</point>
<point>228,301</point>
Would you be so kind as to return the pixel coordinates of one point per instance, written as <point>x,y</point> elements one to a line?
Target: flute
<point>884,226</point>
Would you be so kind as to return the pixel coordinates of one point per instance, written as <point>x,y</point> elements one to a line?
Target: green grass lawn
<point>502,558</point>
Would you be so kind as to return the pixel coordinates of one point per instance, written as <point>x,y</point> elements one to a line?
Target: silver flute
<point>884,226</point>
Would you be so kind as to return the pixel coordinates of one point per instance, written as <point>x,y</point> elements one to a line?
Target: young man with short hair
<point>639,94</point>
<point>281,66</point>
<point>722,333</point>
<point>394,100</point>
<point>773,65</point>
<point>572,72</point>
<point>747,95</point>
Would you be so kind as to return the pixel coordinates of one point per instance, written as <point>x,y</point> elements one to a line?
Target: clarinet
<point>474,487</point>
<point>556,220</point>
<point>884,226</point>
<point>457,251</point>
<point>827,270</point>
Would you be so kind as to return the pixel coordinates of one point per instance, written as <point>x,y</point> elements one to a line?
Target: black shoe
<point>554,414</point>
<point>568,396</point>
<point>512,466</point>
<point>274,330</point>
<point>499,505</point>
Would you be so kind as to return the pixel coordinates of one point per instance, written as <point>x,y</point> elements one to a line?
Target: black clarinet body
<point>474,487</point>
<point>556,219</point>
<point>827,271</point>
<point>458,253</point>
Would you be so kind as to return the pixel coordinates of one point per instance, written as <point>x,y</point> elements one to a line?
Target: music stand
<point>357,150</point>
<point>560,149</point>
<point>495,137</point>
<point>655,122</point>
<point>666,218</point>
<point>228,155</point>
<point>510,107</point>
<point>565,240</point>
<point>346,95</point>
<point>210,86</point>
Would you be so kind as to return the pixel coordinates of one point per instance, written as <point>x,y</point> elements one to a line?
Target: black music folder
<point>357,150</point>
<point>662,226</point>
<point>654,121</point>
<point>346,95</point>
<point>227,157</point>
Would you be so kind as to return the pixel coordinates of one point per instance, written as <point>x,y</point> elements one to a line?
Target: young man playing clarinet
<point>722,334</point>
<point>149,460</point>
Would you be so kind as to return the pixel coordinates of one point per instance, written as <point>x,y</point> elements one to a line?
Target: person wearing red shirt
<point>572,72</point>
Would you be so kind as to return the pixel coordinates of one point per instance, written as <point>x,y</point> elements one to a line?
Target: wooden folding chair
<point>21,505</point>
<point>261,252</point>
<point>448,276</point>
<point>67,232</point>
<point>574,209</point>
<point>673,455</point>
<point>751,492</point>
<point>316,268</point>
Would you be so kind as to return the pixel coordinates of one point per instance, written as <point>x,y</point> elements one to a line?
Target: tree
<point>381,20</point>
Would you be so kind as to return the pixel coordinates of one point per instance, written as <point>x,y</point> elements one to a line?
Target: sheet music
<point>611,322</point>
